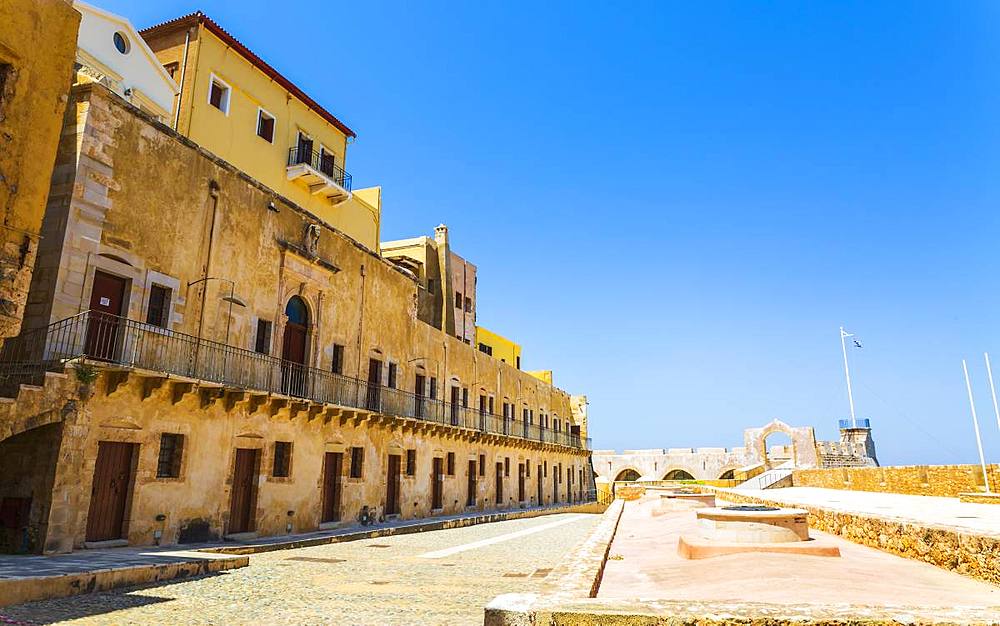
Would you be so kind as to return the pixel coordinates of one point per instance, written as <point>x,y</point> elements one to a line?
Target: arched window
<point>727,475</point>
<point>678,474</point>
<point>627,475</point>
<point>297,312</point>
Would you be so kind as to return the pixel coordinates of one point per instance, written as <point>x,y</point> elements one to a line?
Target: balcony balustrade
<point>121,343</point>
<point>318,173</point>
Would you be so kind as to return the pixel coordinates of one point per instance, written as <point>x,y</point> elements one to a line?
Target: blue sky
<point>675,205</point>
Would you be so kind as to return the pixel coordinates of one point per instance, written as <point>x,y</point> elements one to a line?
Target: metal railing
<point>323,163</point>
<point>118,341</point>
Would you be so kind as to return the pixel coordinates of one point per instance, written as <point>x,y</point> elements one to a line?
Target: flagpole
<point>975,425</point>
<point>847,374</point>
<point>993,391</point>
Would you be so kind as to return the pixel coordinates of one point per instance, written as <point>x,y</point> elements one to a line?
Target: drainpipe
<point>361,320</point>
<point>213,192</point>
<point>180,92</point>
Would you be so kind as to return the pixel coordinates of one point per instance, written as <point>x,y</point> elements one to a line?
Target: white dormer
<point>110,50</point>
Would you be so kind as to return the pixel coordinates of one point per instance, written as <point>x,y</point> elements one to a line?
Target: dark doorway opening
<point>112,486</point>
<point>243,501</point>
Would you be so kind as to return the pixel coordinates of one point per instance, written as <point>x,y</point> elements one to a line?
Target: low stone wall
<point>949,548</point>
<point>921,480</point>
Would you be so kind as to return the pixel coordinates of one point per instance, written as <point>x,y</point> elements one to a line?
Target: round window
<point>121,43</point>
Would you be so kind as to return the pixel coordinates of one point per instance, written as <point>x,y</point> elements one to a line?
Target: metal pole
<point>847,373</point>
<point>993,391</point>
<point>975,425</point>
<point>232,296</point>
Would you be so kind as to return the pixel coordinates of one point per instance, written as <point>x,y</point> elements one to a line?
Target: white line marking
<point>440,554</point>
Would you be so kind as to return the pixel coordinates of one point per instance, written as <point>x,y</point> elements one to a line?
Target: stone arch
<point>803,440</point>
<point>728,474</point>
<point>678,473</point>
<point>628,474</point>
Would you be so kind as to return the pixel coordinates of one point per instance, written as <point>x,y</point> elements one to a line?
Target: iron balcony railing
<point>117,341</point>
<point>323,163</point>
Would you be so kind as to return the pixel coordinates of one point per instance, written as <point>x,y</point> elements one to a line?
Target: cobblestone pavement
<point>438,577</point>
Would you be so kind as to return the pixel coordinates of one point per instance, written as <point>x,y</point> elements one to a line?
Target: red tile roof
<point>191,19</point>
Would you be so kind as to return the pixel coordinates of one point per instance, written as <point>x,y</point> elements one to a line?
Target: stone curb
<point>20,590</point>
<point>964,552</point>
<point>403,529</point>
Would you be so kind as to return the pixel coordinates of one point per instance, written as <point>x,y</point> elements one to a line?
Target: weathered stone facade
<point>134,202</point>
<point>921,480</point>
<point>37,48</point>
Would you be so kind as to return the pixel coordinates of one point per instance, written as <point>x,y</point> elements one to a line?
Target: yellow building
<point>241,109</point>
<point>37,48</point>
<point>499,347</point>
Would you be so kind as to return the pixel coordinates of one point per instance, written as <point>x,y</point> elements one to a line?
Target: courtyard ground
<point>437,577</point>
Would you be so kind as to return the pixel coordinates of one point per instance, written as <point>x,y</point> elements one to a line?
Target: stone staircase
<point>780,476</point>
<point>37,405</point>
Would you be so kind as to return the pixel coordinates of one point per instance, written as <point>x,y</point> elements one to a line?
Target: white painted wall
<point>139,69</point>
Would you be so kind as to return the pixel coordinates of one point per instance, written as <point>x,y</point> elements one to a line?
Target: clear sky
<point>675,205</point>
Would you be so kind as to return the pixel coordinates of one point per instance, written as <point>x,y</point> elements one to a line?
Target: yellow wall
<point>542,375</point>
<point>503,349</point>
<point>233,136</point>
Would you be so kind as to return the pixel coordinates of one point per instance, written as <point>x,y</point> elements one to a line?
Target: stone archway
<point>678,474</point>
<point>627,475</point>
<point>803,441</point>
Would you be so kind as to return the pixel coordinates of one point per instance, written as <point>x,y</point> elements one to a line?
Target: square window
<point>338,359</point>
<point>265,125</point>
<point>411,462</point>
<point>218,95</point>
<point>451,463</point>
<point>263,343</point>
<point>158,312</point>
<point>171,451</point>
<point>282,459</point>
<point>357,461</point>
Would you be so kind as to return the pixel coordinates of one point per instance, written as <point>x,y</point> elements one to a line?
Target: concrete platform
<point>694,547</point>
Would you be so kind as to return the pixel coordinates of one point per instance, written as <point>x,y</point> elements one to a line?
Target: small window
<point>486,349</point>
<point>468,304</point>
<point>506,467</point>
<point>171,451</point>
<point>458,300</point>
<point>482,465</point>
<point>172,69</point>
<point>265,125</point>
<point>357,461</point>
<point>263,344</point>
<point>527,469</point>
<point>451,463</point>
<point>392,376</point>
<point>338,359</point>
<point>121,42</point>
<point>545,469</point>
<point>411,462</point>
<point>465,397</point>
<point>158,312</point>
<point>218,95</point>
<point>282,459</point>
<point>518,363</point>
<point>433,391</point>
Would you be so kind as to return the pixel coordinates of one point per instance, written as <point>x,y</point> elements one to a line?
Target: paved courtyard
<point>438,577</point>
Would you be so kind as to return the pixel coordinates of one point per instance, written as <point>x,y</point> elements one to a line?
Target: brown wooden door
<point>555,485</point>
<point>109,495</point>
<point>373,399</point>
<point>520,482</point>
<point>107,299</point>
<point>418,396</point>
<point>470,497</point>
<point>392,486</point>
<point>499,478</point>
<point>437,484</point>
<point>333,465</point>
<point>293,355</point>
<point>243,501</point>
<point>540,485</point>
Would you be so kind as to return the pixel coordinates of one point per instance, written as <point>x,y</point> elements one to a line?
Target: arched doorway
<point>678,474</point>
<point>778,448</point>
<point>627,475</point>
<point>293,347</point>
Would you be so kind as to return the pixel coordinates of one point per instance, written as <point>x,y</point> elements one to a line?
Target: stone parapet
<point>921,480</point>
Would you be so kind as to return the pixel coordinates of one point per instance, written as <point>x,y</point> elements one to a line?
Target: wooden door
<point>107,299</point>
<point>538,493</point>
<point>109,495</point>
<point>333,465</point>
<point>293,355</point>
<point>373,401</point>
<point>499,479</point>
<point>305,146</point>
<point>437,486</point>
<point>470,497</point>
<point>455,405</point>
<point>418,395</point>
<point>392,486</point>
<point>243,501</point>
<point>555,485</point>
<point>520,482</point>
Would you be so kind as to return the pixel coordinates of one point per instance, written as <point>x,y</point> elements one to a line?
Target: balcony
<point>319,174</point>
<point>122,345</point>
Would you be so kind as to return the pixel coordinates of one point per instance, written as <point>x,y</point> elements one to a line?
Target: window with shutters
<point>411,462</point>
<point>451,463</point>
<point>482,465</point>
<point>506,467</point>
<point>171,452</point>
<point>282,466</point>
<point>357,462</point>
<point>263,343</point>
<point>392,376</point>
<point>432,392</point>
<point>158,311</point>
<point>337,365</point>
